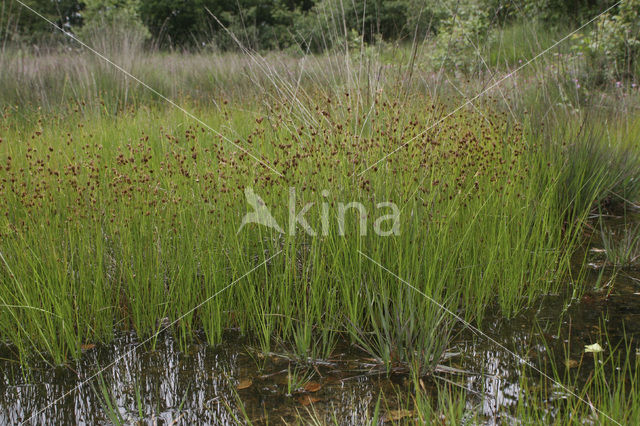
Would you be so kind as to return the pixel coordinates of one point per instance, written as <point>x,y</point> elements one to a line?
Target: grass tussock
<point>125,224</point>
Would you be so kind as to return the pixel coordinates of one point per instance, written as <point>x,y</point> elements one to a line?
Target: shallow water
<point>196,386</point>
<point>203,384</point>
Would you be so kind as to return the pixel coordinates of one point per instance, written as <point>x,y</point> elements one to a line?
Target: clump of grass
<point>608,394</point>
<point>123,224</point>
<point>297,378</point>
<point>510,46</point>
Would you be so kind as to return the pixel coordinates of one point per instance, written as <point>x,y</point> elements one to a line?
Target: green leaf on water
<point>595,348</point>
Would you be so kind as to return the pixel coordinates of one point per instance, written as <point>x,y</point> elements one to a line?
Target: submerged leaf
<point>305,400</point>
<point>244,383</point>
<point>312,387</point>
<point>395,415</point>
<point>571,363</point>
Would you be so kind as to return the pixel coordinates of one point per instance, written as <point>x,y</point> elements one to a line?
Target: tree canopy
<point>269,24</point>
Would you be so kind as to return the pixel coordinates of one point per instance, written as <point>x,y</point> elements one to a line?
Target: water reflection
<point>199,385</point>
<point>169,386</point>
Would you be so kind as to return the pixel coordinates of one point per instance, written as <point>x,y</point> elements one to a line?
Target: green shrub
<point>466,27</point>
<point>113,25</point>
<point>565,11</point>
<point>614,44</point>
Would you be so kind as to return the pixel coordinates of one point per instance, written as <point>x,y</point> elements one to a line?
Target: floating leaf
<point>312,387</point>
<point>87,346</point>
<point>395,415</point>
<point>244,383</point>
<point>595,348</point>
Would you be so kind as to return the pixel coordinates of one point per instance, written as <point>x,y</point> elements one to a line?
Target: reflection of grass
<point>608,392</point>
<point>622,247</point>
<point>108,402</point>
<point>444,404</point>
<point>111,402</point>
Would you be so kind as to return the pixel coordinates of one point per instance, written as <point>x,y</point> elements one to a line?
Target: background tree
<point>113,26</point>
<point>19,24</point>
<point>259,24</point>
